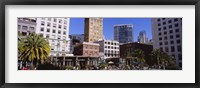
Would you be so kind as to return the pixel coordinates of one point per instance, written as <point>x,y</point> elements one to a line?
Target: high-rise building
<point>56,30</point>
<point>109,48</point>
<point>75,39</point>
<point>26,26</point>
<point>93,29</point>
<point>142,38</point>
<point>123,33</point>
<point>167,36</point>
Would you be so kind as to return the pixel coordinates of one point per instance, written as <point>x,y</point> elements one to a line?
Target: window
<point>179,48</point>
<point>165,37</point>
<point>165,32</point>
<point>108,47</point>
<point>60,20</point>
<point>172,48</point>
<point>170,26</point>
<point>177,36</point>
<point>158,19</point>
<point>176,19</point>
<point>41,35</point>
<point>171,36</point>
<point>24,27</point>
<point>65,22</point>
<point>48,30</point>
<point>159,29</point>
<point>160,38</point>
<point>48,24</point>
<point>172,42</point>
<point>176,25</point>
<point>171,31</point>
<point>166,49</point>
<point>65,27</point>
<point>160,33</point>
<point>54,31</point>
<point>177,30</point>
<point>54,25</point>
<point>64,37</point>
<point>31,28</point>
<point>163,18</point>
<point>160,43</point>
<point>166,43</point>
<point>59,32</point>
<point>24,33</point>
<point>178,41</point>
<point>169,21</point>
<point>49,19</point>
<point>159,24</point>
<point>164,28</point>
<point>41,29</point>
<point>59,26</point>
<point>164,23</point>
<point>64,32</point>
<point>47,36</point>
<point>43,23</point>
<point>105,42</point>
<point>59,37</point>
<point>54,20</point>
<point>19,26</point>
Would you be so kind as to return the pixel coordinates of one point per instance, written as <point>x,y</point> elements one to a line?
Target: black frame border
<point>3,3</point>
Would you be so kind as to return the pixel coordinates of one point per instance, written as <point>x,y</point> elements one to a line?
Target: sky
<point>139,24</point>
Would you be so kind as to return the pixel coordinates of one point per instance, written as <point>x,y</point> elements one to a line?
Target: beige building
<point>93,29</point>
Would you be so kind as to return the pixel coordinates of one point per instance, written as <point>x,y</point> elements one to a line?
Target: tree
<point>34,48</point>
<point>139,54</point>
<point>157,54</point>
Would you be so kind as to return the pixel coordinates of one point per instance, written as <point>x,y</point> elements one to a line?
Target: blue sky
<point>139,24</point>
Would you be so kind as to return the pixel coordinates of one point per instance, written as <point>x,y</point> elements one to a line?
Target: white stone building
<point>109,48</point>
<point>26,26</point>
<point>167,36</point>
<point>56,30</point>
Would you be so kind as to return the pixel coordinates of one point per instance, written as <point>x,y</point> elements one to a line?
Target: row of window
<point>90,47</point>
<point>53,36</point>
<point>179,48</point>
<point>170,32</point>
<point>165,27</point>
<point>110,47</point>
<point>111,43</point>
<point>171,42</point>
<point>53,31</point>
<point>111,55</point>
<point>170,37</point>
<point>175,20</point>
<point>25,27</point>
<point>111,51</point>
<point>54,25</point>
<point>55,20</point>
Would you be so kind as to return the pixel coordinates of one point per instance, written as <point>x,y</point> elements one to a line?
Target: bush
<point>47,66</point>
<point>69,67</point>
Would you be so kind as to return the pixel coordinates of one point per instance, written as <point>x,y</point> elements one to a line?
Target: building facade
<point>86,49</point>
<point>128,49</point>
<point>93,29</point>
<point>142,38</point>
<point>26,26</point>
<point>56,30</point>
<point>75,39</point>
<point>109,48</point>
<point>123,33</point>
<point>167,36</point>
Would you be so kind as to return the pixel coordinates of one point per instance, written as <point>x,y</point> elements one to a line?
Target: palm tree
<point>157,53</point>
<point>139,54</point>
<point>34,48</point>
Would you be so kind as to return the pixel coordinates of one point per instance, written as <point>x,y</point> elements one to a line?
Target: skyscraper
<point>167,36</point>
<point>123,33</point>
<point>93,29</point>
<point>142,38</point>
